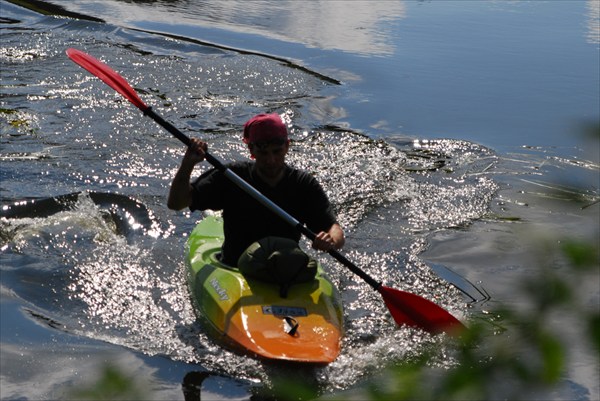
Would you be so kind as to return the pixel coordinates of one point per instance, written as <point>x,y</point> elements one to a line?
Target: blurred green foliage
<point>112,384</point>
<point>525,359</point>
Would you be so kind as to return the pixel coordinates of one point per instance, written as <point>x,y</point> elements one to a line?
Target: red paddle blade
<point>106,74</point>
<point>413,310</point>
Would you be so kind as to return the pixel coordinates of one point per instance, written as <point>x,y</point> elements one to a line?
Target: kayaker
<point>244,219</point>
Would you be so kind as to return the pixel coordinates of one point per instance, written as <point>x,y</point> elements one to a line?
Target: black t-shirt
<point>246,220</point>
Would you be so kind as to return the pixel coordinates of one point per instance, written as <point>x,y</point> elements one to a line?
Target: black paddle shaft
<point>182,137</point>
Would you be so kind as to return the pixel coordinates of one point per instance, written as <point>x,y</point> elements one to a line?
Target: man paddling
<point>245,220</point>
<point>406,308</point>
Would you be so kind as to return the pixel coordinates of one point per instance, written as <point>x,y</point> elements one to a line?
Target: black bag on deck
<point>277,260</point>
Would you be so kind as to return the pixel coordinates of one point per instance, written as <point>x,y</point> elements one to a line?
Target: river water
<point>450,135</point>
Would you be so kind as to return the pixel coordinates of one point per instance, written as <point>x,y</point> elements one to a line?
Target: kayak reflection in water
<point>246,221</point>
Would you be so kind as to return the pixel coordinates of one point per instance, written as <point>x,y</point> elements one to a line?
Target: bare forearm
<point>180,194</point>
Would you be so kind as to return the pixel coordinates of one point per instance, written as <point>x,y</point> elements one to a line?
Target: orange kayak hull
<point>250,316</point>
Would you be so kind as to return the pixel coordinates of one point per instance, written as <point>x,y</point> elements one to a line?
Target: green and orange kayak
<point>250,316</point>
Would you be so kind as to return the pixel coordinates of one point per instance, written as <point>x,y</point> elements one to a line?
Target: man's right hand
<point>196,152</point>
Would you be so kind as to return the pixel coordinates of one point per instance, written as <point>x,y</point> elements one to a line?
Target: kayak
<point>249,316</point>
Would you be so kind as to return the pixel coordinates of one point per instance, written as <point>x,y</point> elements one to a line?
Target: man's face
<point>270,158</point>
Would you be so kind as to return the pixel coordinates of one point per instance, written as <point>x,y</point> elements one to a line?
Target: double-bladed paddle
<point>405,307</point>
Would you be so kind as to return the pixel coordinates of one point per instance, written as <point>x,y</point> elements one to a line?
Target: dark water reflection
<point>91,260</point>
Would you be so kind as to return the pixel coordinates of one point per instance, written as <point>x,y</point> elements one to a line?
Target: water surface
<point>441,131</point>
